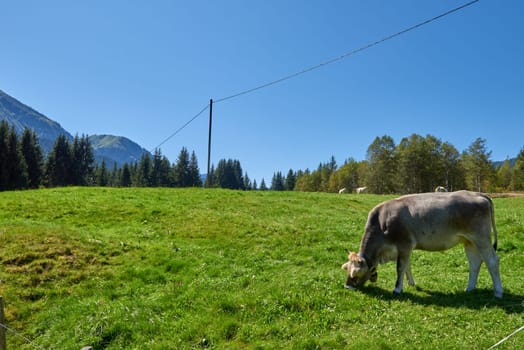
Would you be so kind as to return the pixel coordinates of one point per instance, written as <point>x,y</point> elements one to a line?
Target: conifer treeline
<point>23,166</point>
<point>416,164</point>
<point>20,160</point>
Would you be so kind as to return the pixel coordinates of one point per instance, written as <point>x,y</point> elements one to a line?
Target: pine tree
<point>4,165</point>
<point>13,168</point>
<point>144,171</point>
<point>83,161</point>
<point>160,175</point>
<point>125,177</point>
<point>228,174</point>
<point>194,171</point>
<point>277,183</point>
<point>181,169</point>
<point>168,180</point>
<point>263,186</point>
<point>135,178</point>
<point>114,175</point>
<point>238,176</point>
<point>247,182</point>
<point>291,180</point>
<point>32,154</point>
<point>16,166</point>
<point>59,163</point>
<point>101,175</point>
<point>221,175</point>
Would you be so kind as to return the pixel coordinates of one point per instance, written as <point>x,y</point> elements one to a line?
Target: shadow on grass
<point>477,299</point>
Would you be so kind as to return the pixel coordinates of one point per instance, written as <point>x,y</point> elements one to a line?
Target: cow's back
<point>434,221</point>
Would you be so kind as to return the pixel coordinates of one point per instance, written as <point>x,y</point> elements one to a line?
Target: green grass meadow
<point>218,269</point>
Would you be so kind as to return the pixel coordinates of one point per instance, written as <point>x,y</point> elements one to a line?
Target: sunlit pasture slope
<point>207,268</point>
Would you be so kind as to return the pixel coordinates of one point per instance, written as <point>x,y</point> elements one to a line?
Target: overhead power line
<point>347,54</point>
<point>182,127</point>
<point>325,63</point>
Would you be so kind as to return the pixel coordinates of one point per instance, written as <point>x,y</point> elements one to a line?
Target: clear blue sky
<point>141,69</point>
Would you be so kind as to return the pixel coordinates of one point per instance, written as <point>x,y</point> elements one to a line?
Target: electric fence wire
<point>506,338</point>
<point>323,64</point>
<point>29,341</point>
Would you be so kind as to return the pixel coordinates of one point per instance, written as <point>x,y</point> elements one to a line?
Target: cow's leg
<point>475,260</point>
<point>492,262</point>
<point>402,268</point>
<point>409,275</point>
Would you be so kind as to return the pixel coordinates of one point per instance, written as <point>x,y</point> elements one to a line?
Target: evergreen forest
<point>416,164</point>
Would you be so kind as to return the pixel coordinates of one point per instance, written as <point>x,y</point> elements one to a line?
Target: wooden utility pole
<point>3,345</point>
<point>208,141</point>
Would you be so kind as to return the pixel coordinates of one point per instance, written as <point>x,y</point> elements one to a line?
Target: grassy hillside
<point>183,269</point>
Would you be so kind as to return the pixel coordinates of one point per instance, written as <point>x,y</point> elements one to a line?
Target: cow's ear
<point>345,266</point>
<point>352,256</point>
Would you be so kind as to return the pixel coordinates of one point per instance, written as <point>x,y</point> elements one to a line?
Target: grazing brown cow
<point>427,221</point>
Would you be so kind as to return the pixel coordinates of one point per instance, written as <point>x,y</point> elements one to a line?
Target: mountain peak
<point>21,116</point>
<point>117,149</point>
<point>111,149</point>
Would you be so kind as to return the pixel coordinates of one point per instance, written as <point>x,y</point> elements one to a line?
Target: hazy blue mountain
<point>499,163</point>
<point>116,149</point>
<point>21,116</point>
<point>110,148</point>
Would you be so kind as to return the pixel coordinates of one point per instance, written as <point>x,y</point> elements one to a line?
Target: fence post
<point>2,329</point>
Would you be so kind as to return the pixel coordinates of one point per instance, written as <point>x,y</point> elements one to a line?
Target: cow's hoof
<point>396,292</point>
<point>499,295</point>
<point>349,287</point>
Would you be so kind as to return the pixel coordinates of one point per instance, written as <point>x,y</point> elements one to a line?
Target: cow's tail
<point>492,214</point>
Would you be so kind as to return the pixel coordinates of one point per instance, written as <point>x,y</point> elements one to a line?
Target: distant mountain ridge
<point>117,149</point>
<point>21,116</point>
<point>111,149</point>
<point>499,163</point>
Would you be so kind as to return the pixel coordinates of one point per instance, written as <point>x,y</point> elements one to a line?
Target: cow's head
<point>358,271</point>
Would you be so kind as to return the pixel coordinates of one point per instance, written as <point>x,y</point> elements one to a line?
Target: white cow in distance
<point>362,190</point>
